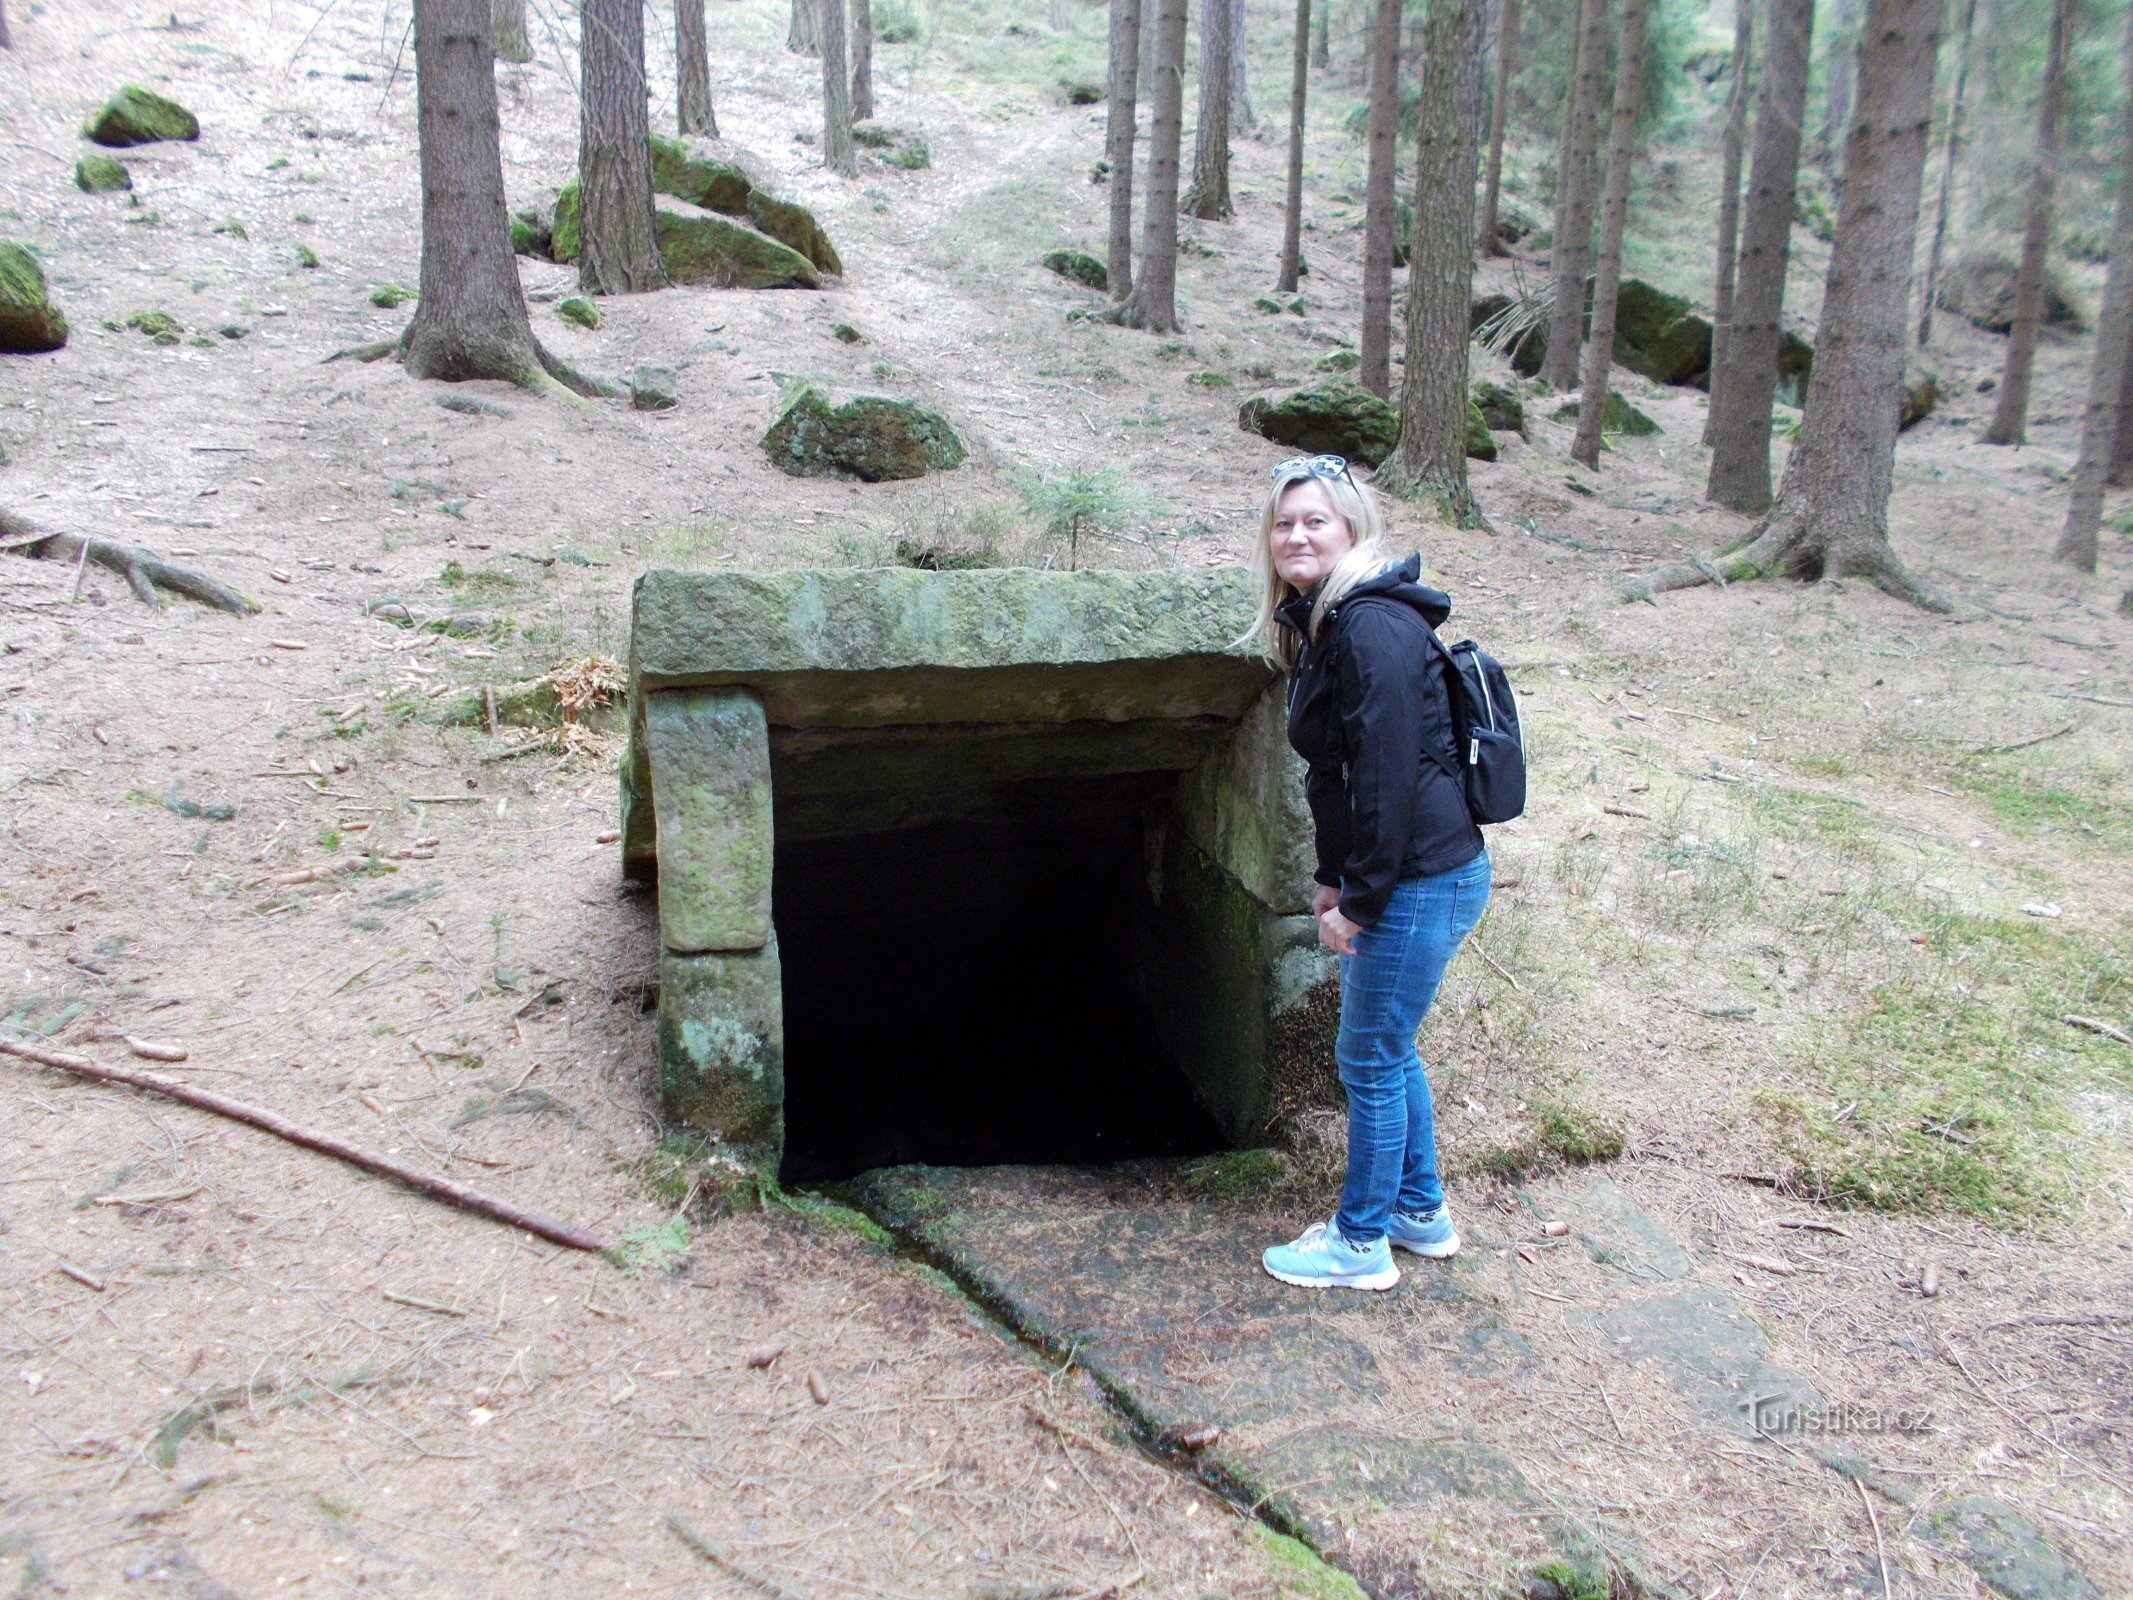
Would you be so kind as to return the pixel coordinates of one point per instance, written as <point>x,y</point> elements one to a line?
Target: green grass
<point>2094,800</point>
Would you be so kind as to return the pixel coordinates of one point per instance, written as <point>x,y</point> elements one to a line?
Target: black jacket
<point>1367,701</point>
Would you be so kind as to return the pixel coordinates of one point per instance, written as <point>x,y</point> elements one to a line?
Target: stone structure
<point>773,713</point>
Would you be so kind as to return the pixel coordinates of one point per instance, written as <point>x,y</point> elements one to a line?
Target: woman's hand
<point>1335,931</point>
<point>1323,899</point>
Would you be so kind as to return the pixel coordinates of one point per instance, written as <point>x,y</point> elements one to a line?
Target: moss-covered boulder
<point>1479,446</point>
<point>700,246</point>
<point>563,224</point>
<point>899,147</point>
<point>1796,364</point>
<point>1617,416</point>
<point>871,437</point>
<point>1921,393</point>
<point>1403,232</point>
<point>134,115</point>
<point>1659,334</point>
<point>1079,268</point>
<point>579,312</point>
<point>1500,408</point>
<point>688,170</point>
<point>795,227</point>
<point>29,322</point>
<point>1981,289</point>
<point>533,231</point>
<point>96,174</point>
<point>1336,417</point>
<point>1338,361</point>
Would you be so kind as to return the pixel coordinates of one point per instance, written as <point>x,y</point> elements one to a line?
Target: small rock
<point>134,115</point>
<point>652,388</point>
<point>899,147</point>
<point>1336,417</point>
<point>873,438</point>
<point>95,174</point>
<point>472,405</point>
<point>232,227</point>
<point>389,296</point>
<point>1338,361</point>
<point>1082,92</point>
<point>159,326</point>
<point>306,257</point>
<point>29,322</point>
<point>233,330</point>
<point>1618,416</point>
<point>579,311</point>
<point>1079,268</point>
<point>845,333</point>
<point>1921,392</point>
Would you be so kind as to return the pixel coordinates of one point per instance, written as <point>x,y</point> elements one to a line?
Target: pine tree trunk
<point>507,24</point>
<point>1577,176</point>
<point>1153,304</point>
<point>1208,196</point>
<point>1375,345</point>
<point>862,60</point>
<point>1741,393</point>
<point>692,100</point>
<point>1430,458</point>
<point>2010,416</point>
<point>803,34</point>
<point>1614,214</point>
<point>1732,148</point>
<point>471,320</point>
<point>1837,93</point>
<point>2122,435</point>
<point>1242,118</point>
<point>1487,238</point>
<point>1147,70</point>
<point>1118,141</point>
<point>1951,148</point>
<point>838,153</point>
<point>1831,517</point>
<point>1322,46</point>
<point>618,252</point>
<point>1292,207</point>
<point>2104,420</point>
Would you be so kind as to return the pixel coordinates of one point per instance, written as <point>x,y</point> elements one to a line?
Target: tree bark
<point>1614,213</point>
<point>803,34</point>
<point>862,60</point>
<point>507,25</point>
<point>693,112</point>
<point>1430,457</point>
<point>2010,416</point>
<point>471,320</point>
<point>618,251</point>
<point>1208,195</point>
<point>1292,206</point>
<point>1837,93</point>
<point>838,153</point>
<point>1153,304</point>
<point>1576,178</point>
<point>2105,417</point>
<point>1950,149</point>
<point>1242,118</point>
<point>1322,45</point>
<point>1118,141</point>
<point>1375,345</point>
<point>2122,435</point>
<point>1487,239</point>
<point>1831,517</point>
<point>1732,148</point>
<point>1741,391</point>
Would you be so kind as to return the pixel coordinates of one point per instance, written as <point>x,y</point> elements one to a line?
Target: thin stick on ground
<point>444,1189</point>
<point>712,1551</point>
<point>143,571</point>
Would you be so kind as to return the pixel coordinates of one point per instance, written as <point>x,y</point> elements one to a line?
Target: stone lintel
<point>709,754</point>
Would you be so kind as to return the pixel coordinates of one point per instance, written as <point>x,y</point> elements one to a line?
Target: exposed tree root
<point>144,572</point>
<point>377,350</point>
<point>1787,546</point>
<point>1454,501</point>
<point>548,375</point>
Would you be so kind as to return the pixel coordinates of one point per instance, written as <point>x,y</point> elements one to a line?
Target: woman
<point>1402,873</point>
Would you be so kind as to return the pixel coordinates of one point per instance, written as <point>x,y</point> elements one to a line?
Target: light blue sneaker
<point>1426,1233</point>
<point>1322,1259</point>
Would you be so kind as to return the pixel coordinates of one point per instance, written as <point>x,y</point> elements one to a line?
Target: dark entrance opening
<point>961,993</point>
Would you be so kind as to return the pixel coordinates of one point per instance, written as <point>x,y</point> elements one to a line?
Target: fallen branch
<point>144,572</point>
<point>2022,744</point>
<point>443,1189</point>
<point>712,1551</point>
<point>2098,1025</point>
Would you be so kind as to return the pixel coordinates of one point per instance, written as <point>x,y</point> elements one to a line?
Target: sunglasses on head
<point>1314,466</point>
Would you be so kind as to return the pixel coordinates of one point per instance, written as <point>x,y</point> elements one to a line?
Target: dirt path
<point>242,1408</point>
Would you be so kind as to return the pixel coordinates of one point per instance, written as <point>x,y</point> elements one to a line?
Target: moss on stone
<point>795,227</point>
<point>97,174</point>
<point>29,322</point>
<point>306,257</point>
<point>1618,416</point>
<point>134,115</point>
<point>158,325</point>
<point>1338,417</point>
<point>1501,409</point>
<point>686,171</point>
<point>391,296</point>
<point>698,246</point>
<point>871,437</point>
<point>563,230</point>
<point>578,311</point>
<point>1479,446</point>
<point>1338,361</point>
<point>1078,267</point>
<point>845,333</point>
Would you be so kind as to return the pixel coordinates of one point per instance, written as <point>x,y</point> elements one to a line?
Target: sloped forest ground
<point>1811,881</point>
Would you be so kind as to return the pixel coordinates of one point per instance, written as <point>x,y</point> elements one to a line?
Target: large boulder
<point>794,226</point>
<point>688,170</point>
<point>869,437</point>
<point>1617,416</point>
<point>1336,417</point>
<point>1981,289</point>
<point>1659,335</point>
<point>1921,393</point>
<point>700,246</point>
<point>1479,446</point>
<point>29,322</point>
<point>134,115</point>
<point>1499,407</point>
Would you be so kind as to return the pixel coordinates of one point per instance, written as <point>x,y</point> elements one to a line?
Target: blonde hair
<point>1358,507</point>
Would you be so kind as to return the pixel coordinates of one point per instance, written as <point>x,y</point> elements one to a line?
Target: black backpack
<point>1492,769</point>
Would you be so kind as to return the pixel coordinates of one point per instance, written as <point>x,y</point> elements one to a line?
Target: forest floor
<point>1810,884</point>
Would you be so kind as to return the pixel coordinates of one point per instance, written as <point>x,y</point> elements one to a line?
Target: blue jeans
<point>1386,987</point>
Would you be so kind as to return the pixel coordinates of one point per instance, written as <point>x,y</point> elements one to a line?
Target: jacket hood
<point>1399,581</point>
